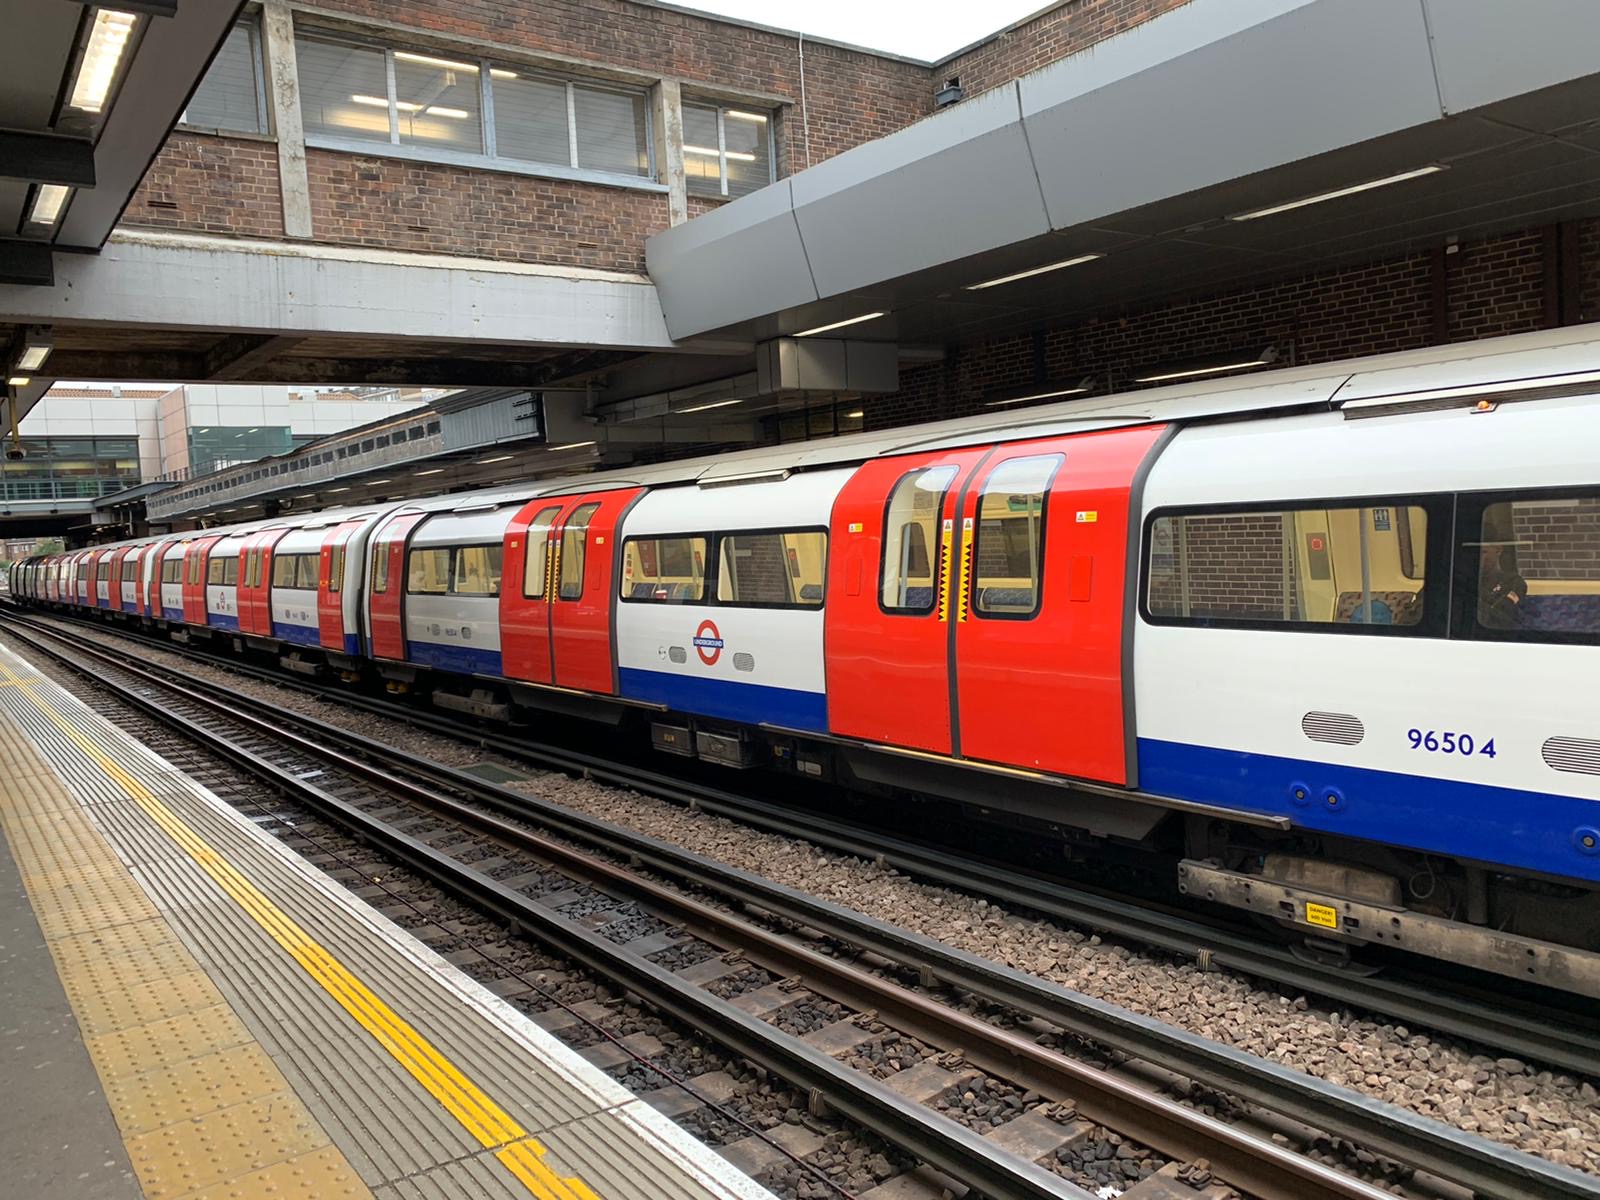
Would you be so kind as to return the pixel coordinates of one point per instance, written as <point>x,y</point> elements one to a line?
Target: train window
<point>105,568</point>
<point>669,570</point>
<point>1348,567</point>
<point>1008,554</point>
<point>214,572</point>
<point>772,570</point>
<point>911,524</point>
<point>428,572</point>
<point>380,569</point>
<point>533,572</point>
<point>477,571</point>
<point>171,570</point>
<point>230,572</point>
<point>1528,567</point>
<point>574,543</point>
<point>335,569</point>
<point>283,571</point>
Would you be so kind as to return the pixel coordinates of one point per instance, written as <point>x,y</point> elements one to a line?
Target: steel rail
<point>1485,1167</point>
<point>1566,1042</point>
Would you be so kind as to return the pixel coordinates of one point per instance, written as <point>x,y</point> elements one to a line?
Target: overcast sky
<point>926,29</point>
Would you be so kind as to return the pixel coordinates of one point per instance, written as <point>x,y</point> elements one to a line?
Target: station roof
<point>1214,147</point>
<point>87,97</point>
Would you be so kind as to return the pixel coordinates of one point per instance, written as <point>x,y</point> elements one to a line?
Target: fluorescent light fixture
<point>570,446</point>
<point>48,202</point>
<point>108,40</point>
<point>1048,267</point>
<point>1353,189</point>
<point>428,60</point>
<point>714,404</point>
<point>36,346</point>
<point>371,482</point>
<point>430,471</point>
<point>1044,395</point>
<point>502,73</point>
<point>740,115</point>
<point>404,106</point>
<point>455,114</point>
<point>711,150</point>
<point>337,490</point>
<point>852,415</point>
<point>735,155</point>
<point>306,496</point>
<point>19,381</point>
<point>1212,366</point>
<point>871,316</point>
<point>484,462</point>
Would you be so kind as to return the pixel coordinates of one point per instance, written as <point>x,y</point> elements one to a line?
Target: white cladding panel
<point>222,599</point>
<point>468,622</point>
<point>785,644</point>
<point>172,595</point>
<point>801,501</point>
<point>463,529</point>
<point>294,606</point>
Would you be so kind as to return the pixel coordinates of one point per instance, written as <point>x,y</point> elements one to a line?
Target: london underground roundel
<point>708,643</point>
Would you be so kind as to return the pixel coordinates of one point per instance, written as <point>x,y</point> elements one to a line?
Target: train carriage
<point>1320,641</point>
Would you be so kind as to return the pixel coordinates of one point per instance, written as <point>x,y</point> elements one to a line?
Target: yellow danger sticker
<point>1323,915</point>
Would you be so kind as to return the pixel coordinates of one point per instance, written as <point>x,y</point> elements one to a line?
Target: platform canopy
<point>1219,146</point>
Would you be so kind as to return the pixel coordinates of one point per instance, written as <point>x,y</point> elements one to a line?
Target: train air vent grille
<point>744,662</point>
<point>1581,756</point>
<point>677,654</point>
<point>1342,729</point>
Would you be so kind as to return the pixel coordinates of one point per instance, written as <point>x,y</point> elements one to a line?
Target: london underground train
<point>1325,638</point>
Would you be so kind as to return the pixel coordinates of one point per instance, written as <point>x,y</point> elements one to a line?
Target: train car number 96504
<point>1449,743</point>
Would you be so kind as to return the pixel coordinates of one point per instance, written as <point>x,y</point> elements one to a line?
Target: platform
<point>193,1011</point>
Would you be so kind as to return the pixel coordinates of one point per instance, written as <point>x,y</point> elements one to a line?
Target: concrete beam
<point>283,102</point>
<point>26,265</point>
<point>229,285</point>
<point>241,355</point>
<point>667,112</point>
<point>45,158</point>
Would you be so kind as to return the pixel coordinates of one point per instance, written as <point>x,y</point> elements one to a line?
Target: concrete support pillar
<point>667,111</point>
<point>283,98</point>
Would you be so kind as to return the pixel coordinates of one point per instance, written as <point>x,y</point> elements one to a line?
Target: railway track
<point>376,793</point>
<point>1565,1038</point>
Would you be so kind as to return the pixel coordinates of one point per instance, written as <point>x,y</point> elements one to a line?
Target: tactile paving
<point>141,1048</point>
<point>177,1159</point>
<point>193,1087</point>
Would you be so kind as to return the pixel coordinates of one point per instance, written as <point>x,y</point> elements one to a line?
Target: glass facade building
<point>70,468</point>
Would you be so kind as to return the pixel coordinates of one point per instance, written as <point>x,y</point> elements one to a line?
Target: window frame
<point>707,592</point>
<point>251,22</point>
<point>1438,507</point>
<point>713,574</point>
<point>1044,537</point>
<point>721,110</point>
<point>561,558</point>
<point>937,549</point>
<point>455,569</point>
<point>488,157</point>
<point>1464,581</point>
<point>543,557</point>
<point>449,569</point>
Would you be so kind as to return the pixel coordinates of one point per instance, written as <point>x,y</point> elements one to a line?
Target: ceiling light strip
<point>97,71</point>
<point>1339,193</point>
<point>871,316</point>
<point>1048,267</point>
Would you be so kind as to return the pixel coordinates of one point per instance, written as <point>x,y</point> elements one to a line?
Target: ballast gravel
<point>1543,1112</point>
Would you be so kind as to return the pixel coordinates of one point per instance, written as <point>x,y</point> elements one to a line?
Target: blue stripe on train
<point>221,621</point>
<point>1533,830</point>
<point>751,703</point>
<point>466,659</point>
<point>300,635</point>
<point>172,614</point>
<point>352,644</point>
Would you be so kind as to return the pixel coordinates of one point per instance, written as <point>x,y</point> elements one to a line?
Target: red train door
<point>330,588</point>
<point>1041,603</point>
<point>386,596</point>
<point>584,570</point>
<point>194,579</point>
<point>525,590</point>
<point>890,596</point>
<point>152,592</point>
<point>255,582</point>
<point>114,584</point>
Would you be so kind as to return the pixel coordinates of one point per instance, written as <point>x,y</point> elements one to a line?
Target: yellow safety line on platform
<point>491,1125</point>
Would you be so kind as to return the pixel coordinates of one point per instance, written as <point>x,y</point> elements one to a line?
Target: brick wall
<point>1046,38</point>
<point>1494,287</point>
<point>1558,541</point>
<point>363,200</point>
<point>211,184</point>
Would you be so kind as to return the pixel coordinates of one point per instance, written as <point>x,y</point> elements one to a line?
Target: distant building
<point>85,440</point>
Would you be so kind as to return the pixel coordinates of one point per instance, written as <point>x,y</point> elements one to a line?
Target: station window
<point>772,570</point>
<point>538,558</point>
<point>232,97</point>
<point>428,572</point>
<point>1008,555</point>
<point>435,104</point>
<point>727,151</point>
<point>574,547</point>
<point>1349,566</point>
<point>669,570</point>
<point>477,571</point>
<point>911,529</point>
<point>1527,568</point>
